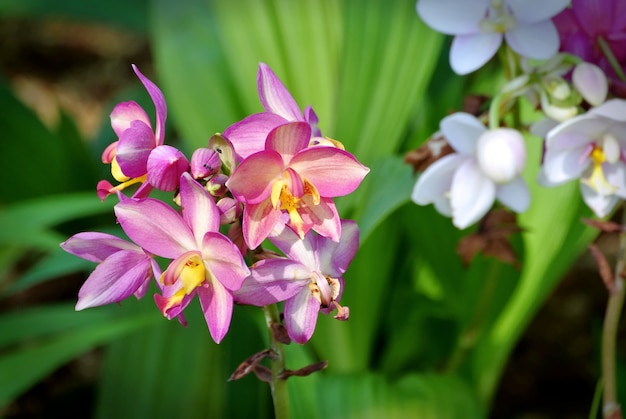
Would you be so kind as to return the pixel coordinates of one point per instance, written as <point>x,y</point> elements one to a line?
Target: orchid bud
<point>216,185</point>
<point>204,163</point>
<point>501,154</point>
<point>230,210</point>
<point>165,166</point>
<point>591,82</point>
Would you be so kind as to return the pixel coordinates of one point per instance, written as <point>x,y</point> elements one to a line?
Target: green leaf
<point>48,337</point>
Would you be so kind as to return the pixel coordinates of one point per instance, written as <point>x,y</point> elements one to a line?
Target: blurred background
<point>380,82</point>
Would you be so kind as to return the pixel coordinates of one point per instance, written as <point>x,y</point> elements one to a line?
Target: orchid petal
<point>471,194</point>
<point>562,165</point>
<point>96,247</point>
<point>126,112</point>
<point>616,175</point>
<point>217,305</point>
<point>334,172</point>
<point>514,194</point>
<point>253,179</point>
<point>529,11</point>
<point>273,280</point>
<point>224,260</point>
<point>300,250</point>
<point>275,97</point>
<point>115,279</point>
<point>538,40</point>
<point>591,82</point>
<point>334,258</point>
<point>301,313</point>
<point>155,226</point>
<point>311,117</point>
<point>133,149</point>
<point>600,204</point>
<point>288,139</point>
<point>436,180</point>
<point>472,51</point>
<point>258,221</point>
<point>199,210</point>
<point>322,218</point>
<point>452,17</point>
<point>614,109</point>
<point>248,135</point>
<point>462,131</point>
<point>159,104</point>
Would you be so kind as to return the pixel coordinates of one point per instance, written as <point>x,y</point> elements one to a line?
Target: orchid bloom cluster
<point>270,176</point>
<point>564,60</point>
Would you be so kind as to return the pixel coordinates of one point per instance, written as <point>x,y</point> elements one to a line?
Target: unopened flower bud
<point>229,209</point>
<point>204,163</point>
<point>165,166</point>
<point>501,154</point>
<point>216,185</point>
<point>591,82</point>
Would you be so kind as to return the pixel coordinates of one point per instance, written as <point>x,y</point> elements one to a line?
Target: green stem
<point>280,396</point>
<point>608,53</point>
<point>611,407</point>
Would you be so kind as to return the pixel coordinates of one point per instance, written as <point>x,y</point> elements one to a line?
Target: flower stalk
<point>278,385</point>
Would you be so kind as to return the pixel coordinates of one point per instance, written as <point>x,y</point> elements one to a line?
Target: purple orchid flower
<point>205,262</point>
<point>248,135</point>
<point>139,155</point>
<point>293,177</point>
<point>124,268</point>
<point>310,281</point>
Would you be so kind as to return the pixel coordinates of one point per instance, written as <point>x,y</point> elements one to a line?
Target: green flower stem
<point>608,53</point>
<point>611,407</point>
<point>280,396</point>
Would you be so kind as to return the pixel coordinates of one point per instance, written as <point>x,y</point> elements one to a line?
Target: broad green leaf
<point>370,396</point>
<point>23,366</point>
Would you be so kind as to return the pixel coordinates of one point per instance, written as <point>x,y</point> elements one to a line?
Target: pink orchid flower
<point>248,135</point>
<point>293,177</point>
<point>205,262</point>
<point>310,281</point>
<point>124,268</point>
<point>139,155</point>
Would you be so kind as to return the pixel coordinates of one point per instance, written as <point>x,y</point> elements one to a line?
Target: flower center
<point>606,151</point>
<point>497,18</point>
<point>284,199</point>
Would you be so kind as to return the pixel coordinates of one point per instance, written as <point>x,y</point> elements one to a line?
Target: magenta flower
<point>248,135</point>
<point>310,281</point>
<point>124,268</point>
<point>139,155</point>
<point>205,262</point>
<point>583,26</point>
<point>293,177</point>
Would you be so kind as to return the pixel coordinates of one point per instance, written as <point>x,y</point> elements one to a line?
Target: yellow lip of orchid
<point>596,180</point>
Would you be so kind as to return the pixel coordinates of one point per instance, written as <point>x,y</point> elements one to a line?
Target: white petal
<point>600,204</point>
<point>471,195</point>
<point>614,109</point>
<point>615,174</point>
<point>452,17</point>
<point>530,11</point>
<point>514,194</point>
<point>576,132</point>
<point>470,52</point>
<point>539,40</point>
<point>436,180</point>
<point>541,128</point>
<point>591,82</point>
<point>562,165</point>
<point>462,131</point>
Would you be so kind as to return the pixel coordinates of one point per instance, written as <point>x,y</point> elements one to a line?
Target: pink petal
<point>470,52</point>
<point>311,117</point>
<point>301,313</point>
<point>155,226</point>
<point>217,305</point>
<point>334,172</point>
<point>322,218</point>
<point>258,221</point>
<point>133,149</point>
<point>300,250</point>
<point>248,135</point>
<point>115,279</point>
<point>253,179</point>
<point>126,112</point>
<point>96,247</point>
<point>288,139</point>
<point>224,260</point>
<point>334,258</point>
<point>159,104</point>
<point>272,281</point>
<point>275,97</point>
<point>165,165</point>
<point>199,209</point>
<point>204,162</point>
